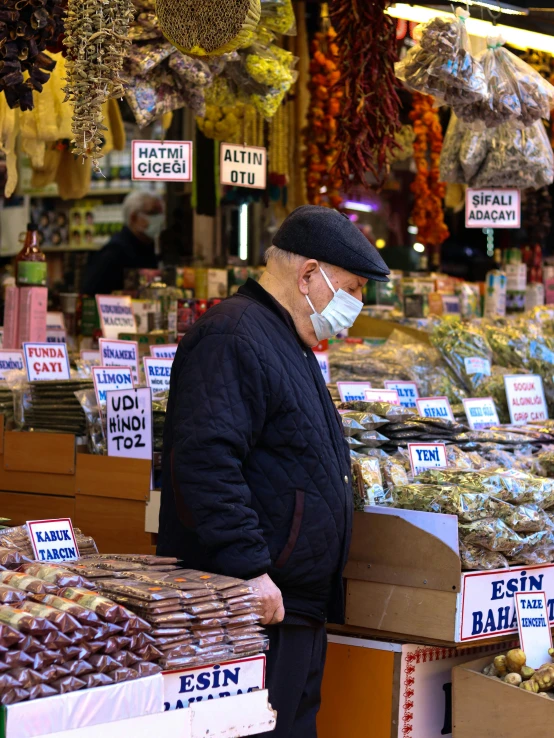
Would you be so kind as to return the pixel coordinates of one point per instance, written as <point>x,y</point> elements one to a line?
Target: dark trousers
<point>295,662</point>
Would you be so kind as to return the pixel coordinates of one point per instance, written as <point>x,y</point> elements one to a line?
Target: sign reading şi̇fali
<point>493,208</point>
<point>161,161</point>
<point>243,166</point>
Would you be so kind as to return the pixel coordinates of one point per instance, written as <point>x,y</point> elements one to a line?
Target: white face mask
<point>339,314</point>
<point>155,225</point>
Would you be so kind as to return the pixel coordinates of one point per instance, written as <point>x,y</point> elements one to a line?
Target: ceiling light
<point>380,243</point>
<point>419,247</point>
<point>517,37</point>
<point>413,230</point>
<point>499,7</point>
<point>363,207</point>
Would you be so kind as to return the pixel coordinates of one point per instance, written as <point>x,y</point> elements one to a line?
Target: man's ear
<point>306,273</point>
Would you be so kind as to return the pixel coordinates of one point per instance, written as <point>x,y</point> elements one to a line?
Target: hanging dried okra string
<point>96,39</point>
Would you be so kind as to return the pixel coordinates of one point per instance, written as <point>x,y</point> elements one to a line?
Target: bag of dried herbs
<point>465,350</point>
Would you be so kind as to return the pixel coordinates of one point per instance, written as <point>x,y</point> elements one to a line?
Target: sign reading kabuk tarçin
<point>493,208</point>
<point>243,166</point>
<point>162,161</point>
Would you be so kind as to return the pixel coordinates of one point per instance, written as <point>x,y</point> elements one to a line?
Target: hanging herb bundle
<point>321,140</point>
<point>366,39</point>
<point>96,41</point>
<point>429,191</point>
<point>279,147</point>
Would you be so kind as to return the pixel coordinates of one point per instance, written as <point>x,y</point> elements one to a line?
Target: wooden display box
<point>483,707</point>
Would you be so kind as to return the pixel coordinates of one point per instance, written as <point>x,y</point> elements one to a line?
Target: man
<point>131,248</point>
<point>256,476</point>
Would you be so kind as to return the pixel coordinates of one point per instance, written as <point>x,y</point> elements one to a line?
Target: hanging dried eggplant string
<point>26,29</point>
<point>96,40</point>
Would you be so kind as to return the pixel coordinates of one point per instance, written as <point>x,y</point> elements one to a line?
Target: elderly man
<point>256,470</point>
<point>132,248</point>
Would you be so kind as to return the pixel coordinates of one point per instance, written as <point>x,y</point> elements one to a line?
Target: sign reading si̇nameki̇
<point>382,395</point>
<point>129,423</point>
<point>108,379</point>
<point>203,683</point>
<point>407,392</point>
<point>46,361</point>
<point>525,395</point>
<point>162,161</point>
<point>53,540</point>
<point>488,603</point>
<point>535,635</point>
<point>350,391</point>
<point>120,353</point>
<point>243,166</point>
<point>164,351</point>
<point>10,361</point>
<point>481,412</point>
<point>434,407</point>
<point>116,315</point>
<point>158,373</point>
<point>427,456</point>
<point>493,208</point>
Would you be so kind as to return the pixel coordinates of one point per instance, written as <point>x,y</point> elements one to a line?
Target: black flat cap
<point>326,235</point>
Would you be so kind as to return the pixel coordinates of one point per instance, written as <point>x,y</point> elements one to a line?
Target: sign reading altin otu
<point>243,166</point>
<point>493,208</point>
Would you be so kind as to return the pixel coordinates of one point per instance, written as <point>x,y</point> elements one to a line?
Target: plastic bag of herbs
<point>465,350</point>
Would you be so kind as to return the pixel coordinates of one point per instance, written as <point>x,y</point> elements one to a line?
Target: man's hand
<point>271,601</point>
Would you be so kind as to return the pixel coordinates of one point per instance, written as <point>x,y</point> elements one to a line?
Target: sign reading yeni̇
<point>162,161</point>
<point>243,166</point>
<point>493,208</point>
<point>53,540</point>
<point>427,456</point>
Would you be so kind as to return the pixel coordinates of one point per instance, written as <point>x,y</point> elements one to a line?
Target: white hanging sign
<point>53,540</point>
<point>164,351</point>
<point>158,373</point>
<point>161,161</point>
<point>129,423</point>
<point>526,401</point>
<point>382,395</point>
<point>434,407</point>
<point>243,166</point>
<point>46,361</point>
<point>10,360</point>
<point>120,353</point>
<point>407,392</point>
<point>493,208</point>
<point>350,391</point>
<point>481,412</point>
<point>534,628</point>
<point>427,456</point>
<point>116,315</point>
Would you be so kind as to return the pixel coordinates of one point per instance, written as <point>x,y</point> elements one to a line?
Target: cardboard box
<point>483,707</point>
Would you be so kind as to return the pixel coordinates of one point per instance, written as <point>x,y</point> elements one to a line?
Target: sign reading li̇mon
<point>243,166</point>
<point>493,208</point>
<point>161,161</point>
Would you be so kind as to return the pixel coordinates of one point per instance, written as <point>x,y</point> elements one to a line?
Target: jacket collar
<point>255,291</point>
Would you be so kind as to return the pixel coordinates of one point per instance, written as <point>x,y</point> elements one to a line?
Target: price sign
<point>243,166</point>
<point>158,373</point>
<point>434,407</point>
<point>120,353</point>
<point>108,379</point>
<point>10,360</point>
<point>534,629</point>
<point>427,456</point>
<point>161,161</point>
<point>481,412</point>
<point>323,361</point>
<point>492,208</point>
<point>526,400</point>
<point>45,361</point>
<point>164,351</point>
<point>407,392</point>
<point>129,423</point>
<point>477,365</point>
<point>382,395</point>
<point>350,391</point>
<point>116,315</point>
<point>53,540</point>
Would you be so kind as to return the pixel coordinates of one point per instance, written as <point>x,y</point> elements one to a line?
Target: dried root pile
<point>26,29</point>
<point>97,40</point>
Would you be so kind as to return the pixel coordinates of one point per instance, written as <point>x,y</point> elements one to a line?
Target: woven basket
<point>208,27</point>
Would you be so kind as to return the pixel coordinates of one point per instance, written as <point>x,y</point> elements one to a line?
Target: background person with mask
<point>132,248</point>
<point>256,471</point>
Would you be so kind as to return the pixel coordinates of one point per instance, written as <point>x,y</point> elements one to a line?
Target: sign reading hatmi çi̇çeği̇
<point>162,161</point>
<point>493,208</point>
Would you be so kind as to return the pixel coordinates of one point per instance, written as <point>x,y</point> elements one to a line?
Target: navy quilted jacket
<point>256,469</point>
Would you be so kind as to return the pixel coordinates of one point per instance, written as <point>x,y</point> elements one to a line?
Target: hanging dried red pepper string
<point>366,39</point>
<point>428,212</point>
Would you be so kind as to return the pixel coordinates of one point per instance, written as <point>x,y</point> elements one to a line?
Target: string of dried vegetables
<point>429,191</point>
<point>96,41</point>
<point>366,39</point>
<point>323,181</point>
